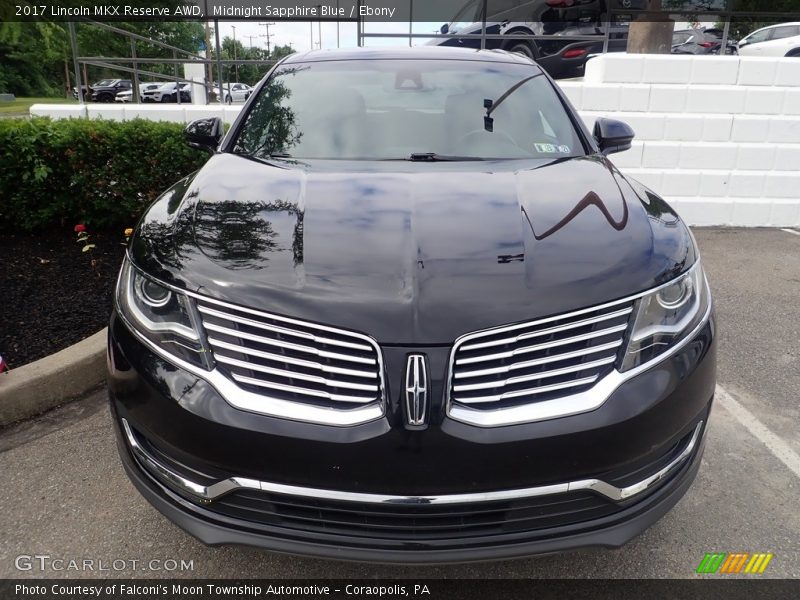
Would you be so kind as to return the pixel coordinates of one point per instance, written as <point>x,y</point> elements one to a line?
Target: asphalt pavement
<point>63,493</point>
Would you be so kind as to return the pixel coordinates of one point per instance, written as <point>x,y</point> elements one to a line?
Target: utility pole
<point>235,64</point>
<point>311,32</point>
<point>268,35</point>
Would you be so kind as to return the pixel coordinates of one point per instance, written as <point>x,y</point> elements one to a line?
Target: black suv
<point>109,91</point>
<point>425,320</point>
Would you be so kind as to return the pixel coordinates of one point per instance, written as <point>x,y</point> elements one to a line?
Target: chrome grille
<point>292,360</point>
<point>539,361</point>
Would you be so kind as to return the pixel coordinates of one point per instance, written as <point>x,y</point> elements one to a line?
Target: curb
<point>46,383</point>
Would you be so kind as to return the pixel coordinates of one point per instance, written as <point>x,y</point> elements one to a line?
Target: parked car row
<point>121,90</point>
<point>567,58</point>
<point>702,41</point>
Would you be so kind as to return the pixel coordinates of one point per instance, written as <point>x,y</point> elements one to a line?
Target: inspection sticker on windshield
<point>545,148</point>
<point>564,149</point>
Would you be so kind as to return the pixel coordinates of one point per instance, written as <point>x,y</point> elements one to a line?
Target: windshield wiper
<point>433,157</point>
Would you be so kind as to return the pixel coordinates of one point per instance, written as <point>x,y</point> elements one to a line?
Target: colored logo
<point>736,562</point>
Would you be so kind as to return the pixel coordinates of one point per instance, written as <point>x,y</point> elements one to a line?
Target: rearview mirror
<point>204,134</point>
<point>613,136</point>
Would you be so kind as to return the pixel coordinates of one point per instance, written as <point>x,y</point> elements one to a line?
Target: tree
<point>279,52</point>
<point>32,58</point>
<point>35,57</point>
<point>647,35</point>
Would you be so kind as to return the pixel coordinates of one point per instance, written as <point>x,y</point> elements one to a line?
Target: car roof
<point>405,53</point>
<point>792,24</point>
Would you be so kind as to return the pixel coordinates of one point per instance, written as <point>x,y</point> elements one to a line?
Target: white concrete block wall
<point>718,137</point>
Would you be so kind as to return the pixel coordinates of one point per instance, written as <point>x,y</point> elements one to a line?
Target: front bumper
<point>451,493</point>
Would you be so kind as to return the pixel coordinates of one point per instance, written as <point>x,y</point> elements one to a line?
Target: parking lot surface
<point>64,494</point>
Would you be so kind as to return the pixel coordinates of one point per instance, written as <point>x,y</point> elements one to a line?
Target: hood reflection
<point>241,234</point>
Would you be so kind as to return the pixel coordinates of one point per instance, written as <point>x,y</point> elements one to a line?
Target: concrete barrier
<point>44,384</point>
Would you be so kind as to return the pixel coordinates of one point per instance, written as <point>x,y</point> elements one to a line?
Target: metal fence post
<point>136,97</point>
<point>177,83</point>
<point>218,90</point>
<point>359,26</point>
<point>726,30</point>
<point>483,29</point>
<point>410,22</point>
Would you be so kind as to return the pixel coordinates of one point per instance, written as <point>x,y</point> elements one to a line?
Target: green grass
<point>21,106</point>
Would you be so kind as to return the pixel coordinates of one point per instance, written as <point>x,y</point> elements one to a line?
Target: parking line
<point>776,445</point>
<point>791,231</point>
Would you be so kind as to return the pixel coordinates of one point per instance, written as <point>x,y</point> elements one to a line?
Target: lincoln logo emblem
<point>416,389</point>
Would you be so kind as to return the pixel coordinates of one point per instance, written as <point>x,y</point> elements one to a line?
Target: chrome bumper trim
<point>225,486</point>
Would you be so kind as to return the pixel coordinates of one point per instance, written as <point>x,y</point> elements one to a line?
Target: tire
<point>106,98</point>
<point>522,48</point>
<point>793,53</point>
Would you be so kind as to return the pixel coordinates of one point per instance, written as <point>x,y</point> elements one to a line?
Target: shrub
<point>103,173</point>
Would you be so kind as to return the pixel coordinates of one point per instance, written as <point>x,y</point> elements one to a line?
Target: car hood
<point>412,253</point>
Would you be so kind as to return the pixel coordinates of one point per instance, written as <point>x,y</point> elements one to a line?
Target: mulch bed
<point>50,296</point>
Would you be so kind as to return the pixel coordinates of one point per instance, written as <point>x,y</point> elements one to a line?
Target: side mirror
<point>204,134</point>
<point>613,136</point>
<point>444,28</point>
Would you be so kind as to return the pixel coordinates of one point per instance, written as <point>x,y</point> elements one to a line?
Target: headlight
<point>666,315</point>
<point>162,316</point>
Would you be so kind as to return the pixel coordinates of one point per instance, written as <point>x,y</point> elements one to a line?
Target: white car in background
<point>144,88</point>
<point>236,92</point>
<point>775,40</point>
<point>168,92</point>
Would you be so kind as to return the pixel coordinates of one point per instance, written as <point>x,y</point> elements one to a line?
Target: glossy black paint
<point>204,134</point>
<point>193,423</point>
<point>211,529</point>
<point>414,254</point>
<point>613,136</point>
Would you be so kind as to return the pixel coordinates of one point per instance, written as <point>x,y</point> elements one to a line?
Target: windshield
<point>393,109</point>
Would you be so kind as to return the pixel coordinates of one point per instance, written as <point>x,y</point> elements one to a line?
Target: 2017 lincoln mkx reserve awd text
<point>409,311</point>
